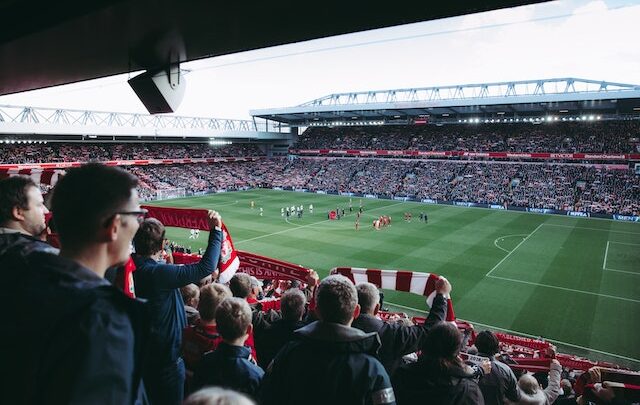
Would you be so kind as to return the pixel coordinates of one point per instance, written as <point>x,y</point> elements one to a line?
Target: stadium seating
<point>99,152</point>
<point>563,137</point>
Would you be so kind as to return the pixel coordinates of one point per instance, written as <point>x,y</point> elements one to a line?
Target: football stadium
<point>452,243</point>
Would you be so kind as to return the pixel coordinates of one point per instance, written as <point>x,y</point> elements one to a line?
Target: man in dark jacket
<point>75,339</point>
<point>160,284</point>
<point>22,217</point>
<point>331,355</point>
<point>397,340</point>
<point>270,340</point>
<point>500,384</point>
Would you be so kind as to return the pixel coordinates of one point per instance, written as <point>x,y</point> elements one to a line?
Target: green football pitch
<point>573,281</point>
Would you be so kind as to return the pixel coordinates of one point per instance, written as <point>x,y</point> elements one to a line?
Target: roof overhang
<point>46,43</point>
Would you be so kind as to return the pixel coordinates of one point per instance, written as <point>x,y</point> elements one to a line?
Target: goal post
<point>166,194</point>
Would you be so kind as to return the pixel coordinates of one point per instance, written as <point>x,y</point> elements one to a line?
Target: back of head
<point>487,343</point>
<point>368,297</point>
<point>211,295</point>
<point>149,238</point>
<point>336,299</point>
<point>566,386</point>
<point>443,344</point>
<point>217,396</point>
<point>240,285</point>
<point>86,197</point>
<point>528,384</point>
<point>233,317</point>
<point>292,304</point>
<point>13,193</point>
<point>190,294</point>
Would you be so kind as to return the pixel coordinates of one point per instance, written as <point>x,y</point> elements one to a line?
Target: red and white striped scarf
<point>398,280</point>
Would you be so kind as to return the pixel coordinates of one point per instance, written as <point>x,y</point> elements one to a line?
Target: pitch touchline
<point>514,249</point>
<point>565,289</point>
<point>305,226</point>
<point>524,334</point>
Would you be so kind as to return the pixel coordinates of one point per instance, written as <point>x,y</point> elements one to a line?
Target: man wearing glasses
<point>75,338</point>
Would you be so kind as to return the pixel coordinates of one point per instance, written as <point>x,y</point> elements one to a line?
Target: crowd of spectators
<point>552,186</point>
<point>100,152</point>
<point>559,137</point>
<point>98,343</point>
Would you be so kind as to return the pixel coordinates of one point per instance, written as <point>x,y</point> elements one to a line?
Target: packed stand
<point>101,152</point>
<point>558,137</point>
<point>550,186</point>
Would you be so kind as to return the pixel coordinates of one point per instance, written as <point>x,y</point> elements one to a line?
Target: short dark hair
<point>368,296</point>
<point>86,197</point>
<point>148,240</point>
<point>487,343</point>
<point>292,304</point>
<point>336,299</point>
<point>233,317</point>
<point>13,193</point>
<point>240,285</point>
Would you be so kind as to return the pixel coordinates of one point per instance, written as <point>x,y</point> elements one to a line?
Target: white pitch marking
<point>495,242</point>
<point>514,249</point>
<point>593,229</point>
<point>565,289</point>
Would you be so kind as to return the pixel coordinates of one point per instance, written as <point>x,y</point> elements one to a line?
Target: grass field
<point>574,281</point>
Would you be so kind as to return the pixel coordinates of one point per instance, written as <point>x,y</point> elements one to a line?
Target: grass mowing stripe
<point>565,289</point>
<point>593,229</point>
<point>521,333</point>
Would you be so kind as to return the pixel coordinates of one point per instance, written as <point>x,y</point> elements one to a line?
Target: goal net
<point>170,193</point>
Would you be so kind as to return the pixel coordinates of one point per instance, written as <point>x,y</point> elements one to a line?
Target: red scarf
<point>191,218</point>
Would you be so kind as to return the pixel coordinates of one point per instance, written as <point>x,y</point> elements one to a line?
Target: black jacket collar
<point>344,338</point>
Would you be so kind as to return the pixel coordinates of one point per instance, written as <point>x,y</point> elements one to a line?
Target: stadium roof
<point>569,96</point>
<point>45,43</point>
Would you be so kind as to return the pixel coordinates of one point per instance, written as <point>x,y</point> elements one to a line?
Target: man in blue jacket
<point>160,284</point>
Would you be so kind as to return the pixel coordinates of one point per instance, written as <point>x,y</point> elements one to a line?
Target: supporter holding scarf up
<point>159,283</point>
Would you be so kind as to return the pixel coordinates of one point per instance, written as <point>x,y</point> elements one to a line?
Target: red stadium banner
<point>490,155</point>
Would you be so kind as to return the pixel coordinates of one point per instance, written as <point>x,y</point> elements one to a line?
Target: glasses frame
<point>140,215</point>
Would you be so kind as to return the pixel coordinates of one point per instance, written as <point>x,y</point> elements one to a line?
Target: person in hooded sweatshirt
<point>439,377</point>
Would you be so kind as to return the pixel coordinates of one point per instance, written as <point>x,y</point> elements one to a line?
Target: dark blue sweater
<point>159,283</point>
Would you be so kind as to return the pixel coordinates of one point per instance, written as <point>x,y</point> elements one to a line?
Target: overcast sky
<point>578,38</point>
